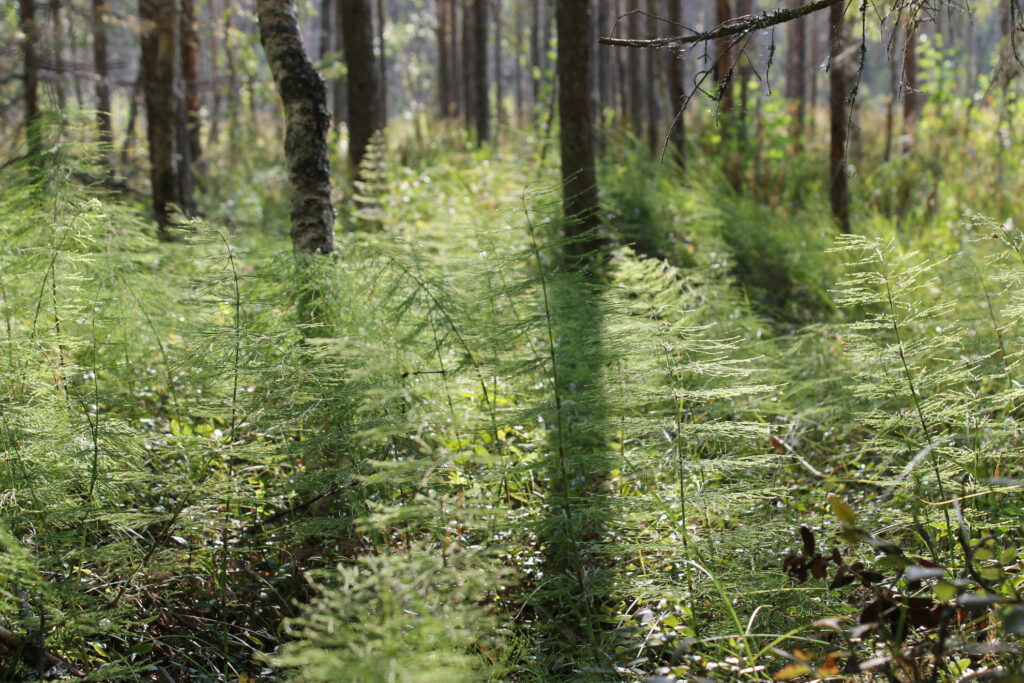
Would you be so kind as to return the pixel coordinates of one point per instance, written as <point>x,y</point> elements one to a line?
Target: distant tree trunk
<point>99,56</point>
<point>159,66</point>
<point>482,109</point>
<point>30,33</point>
<point>133,115</point>
<point>382,89</point>
<point>634,61</point>
<point>57,33</point>
<point>498,94</point>
<point>743,76</point>
<point>326,46</point>
<point>467,62</point>
<point>233,85</point>
<point>600,62</point>
<point>363,114</point>
<point>307,122</point>
<point>579,177</point>
<point>676,80</point>
<point>213,132</point>
<point>912,99</point>
<point>723,72</point>
<point>654,139</point>
<point>444,85</point>
<point>518,63</point>
<point>536,63</point>
<point>839,193</point>
<point>340,88</point>
<point>190,76</point>
<point>796,75</point>
<point>890,108</point>
<point>812,94</point>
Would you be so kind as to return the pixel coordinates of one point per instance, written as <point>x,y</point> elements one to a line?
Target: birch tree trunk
<point>307,122</point>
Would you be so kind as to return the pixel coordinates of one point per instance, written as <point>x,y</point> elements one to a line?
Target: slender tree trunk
<point>812,95</point>
<point>444,86</point>
<point>57,33</point>
<point>466,64</point>
<point>518,71</point>
<point>233,86</point>
<point>99,56</point>
<point>839,193</point>
<point>579,176</point>
<point>340,86</point>
<point>482,110</point>
<point>723,72</point>
<point>307,122</point>
<point>30,33</point>
<point>536,63</point>
<point>912,99</point>
<point>190,76</point>
<point>676,85</point>
<point>363,114</point>
<point>498,94</point>
<point>636,86</point>
<point>796,75</point>
<point>133,116</point>
<point>213,133</point>
<point>654,137</point>
<point>159,46</point>
<point>382,90</point>
<point>890,108</point>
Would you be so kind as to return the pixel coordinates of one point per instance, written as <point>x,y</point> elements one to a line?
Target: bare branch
<point>734,27</point>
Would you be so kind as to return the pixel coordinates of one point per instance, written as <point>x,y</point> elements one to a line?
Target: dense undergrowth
<point>732,448</point>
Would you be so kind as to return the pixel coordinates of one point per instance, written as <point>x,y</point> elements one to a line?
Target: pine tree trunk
<point>30,33</point>
<point>57,33</point>
<point>363,114</point>
<point>482,109</point>
<point>676,85</point>
<point>307,123</point>
<point>159,46</point>
<point>536,63</point>
<point>190,76</point>
<point>498,94</point>
<point>466,63</point>
<point>340,86</point>
<point>382,64</point>
<point>99,56</point>
<point>912,99</point>
<point>579,176</point>
<point>723,72</point>
<point>444,85</point>
<point>839,193</point>
<point>654,138</point>
<point>796,75</point>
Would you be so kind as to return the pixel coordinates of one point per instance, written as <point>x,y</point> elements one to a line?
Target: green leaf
<point>843,512</point>
<point>945,591</point>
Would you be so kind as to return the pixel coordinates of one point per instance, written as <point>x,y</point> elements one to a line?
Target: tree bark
<point>340,101</point>
<point>913,101</point>
<point>676,85</point>
<point>839,193</point>
<point>579,176</point>
<point>190,76</point>
<point>444,85</point>
<point>723,72</point>
<point>796,74</point>
<point>498,94</point>
<point>382,64</point>
<point>159,47</point>
<point>99,56</point>
<point>536,59</point>
<point>363,113</point>
<point>307,122</point>
<point>654,138</point>
<point>58,52</point>
<point>30,31</point>
<point>482,108</point>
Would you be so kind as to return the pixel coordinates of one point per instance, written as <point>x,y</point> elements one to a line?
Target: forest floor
<point>737,447</point>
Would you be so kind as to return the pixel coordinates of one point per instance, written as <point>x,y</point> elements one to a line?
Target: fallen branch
<point>733,27</point>
<point>11,644</point>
